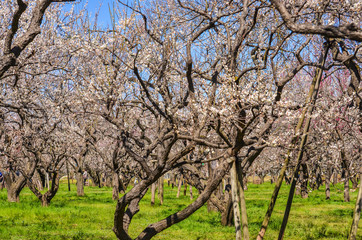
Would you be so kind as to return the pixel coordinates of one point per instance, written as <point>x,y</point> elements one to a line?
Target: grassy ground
<point>91,216</point>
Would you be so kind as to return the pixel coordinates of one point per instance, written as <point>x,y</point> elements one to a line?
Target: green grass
<point>91,216</point>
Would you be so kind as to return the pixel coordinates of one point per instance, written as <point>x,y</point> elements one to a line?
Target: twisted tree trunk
<point>357,211</point>
<point>49,195</point>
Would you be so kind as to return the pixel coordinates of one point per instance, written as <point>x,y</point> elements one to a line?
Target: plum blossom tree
<point>211,90</point>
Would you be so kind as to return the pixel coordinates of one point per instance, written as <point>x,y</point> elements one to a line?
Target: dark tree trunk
<point>185,188</point>
<point>328,190</point>
<point>68,176</point>
<point>304,181</point>
<point>191,195</point>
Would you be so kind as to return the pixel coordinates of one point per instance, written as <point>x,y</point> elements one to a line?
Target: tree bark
<point>244,217</point>
<point>115,186</point>
<point>80,184</point>
<point>153,193</point>
<point>68,175</point>
<point>346,188</point>
<point>347,31</point>
<point>160,189</point>
<point>304,181</point>
<point>185,188</point>
<point>14,187</point>
<point>236,200</point>
<point>345,168</point>
<point>357,211</point>
<point>191,195</point>
<point>14,190</point>
<point>335,177</point>
<point>49,195</point>
<point>14,46</point>
<point>227,216</point>
<point>179,186</point>
<point>328,190</point>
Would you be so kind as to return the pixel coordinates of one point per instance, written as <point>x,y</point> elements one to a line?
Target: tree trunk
<point>328,190</point>
<point>335,177</point>
<point>273,199</point>
<point>47,181</point>
<point>99,176</point>
<point>244,218</point>
<point>122,185</point>
<point>45,202</point>
<point>304,181</point>
<point>220,190</point>
<point>48,196</point>
<point>108,180</point>
<point>227,216</point>
<point>172,179</point>
<point>345,175</point>
<point>94,176</point>
<point>155,228</point>
<point>115,186</point>
<point>80,184</point>
<point>357,211</point>
<point>68,176</point>
<point>13,195</point>
<point>153,193</point>
<point>262,177</point>
<point>191,196</point>
<point>179,186</point>
<point>210,206</point>
<point>289,204</point>
<point>160,189</point>
<point>14,187</point>
<point>40,179</point>
<point>346,189</point>
<point>236,200</point>
<point>319,179</point>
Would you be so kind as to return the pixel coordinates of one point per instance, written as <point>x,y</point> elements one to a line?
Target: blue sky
<point>93,6</point>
